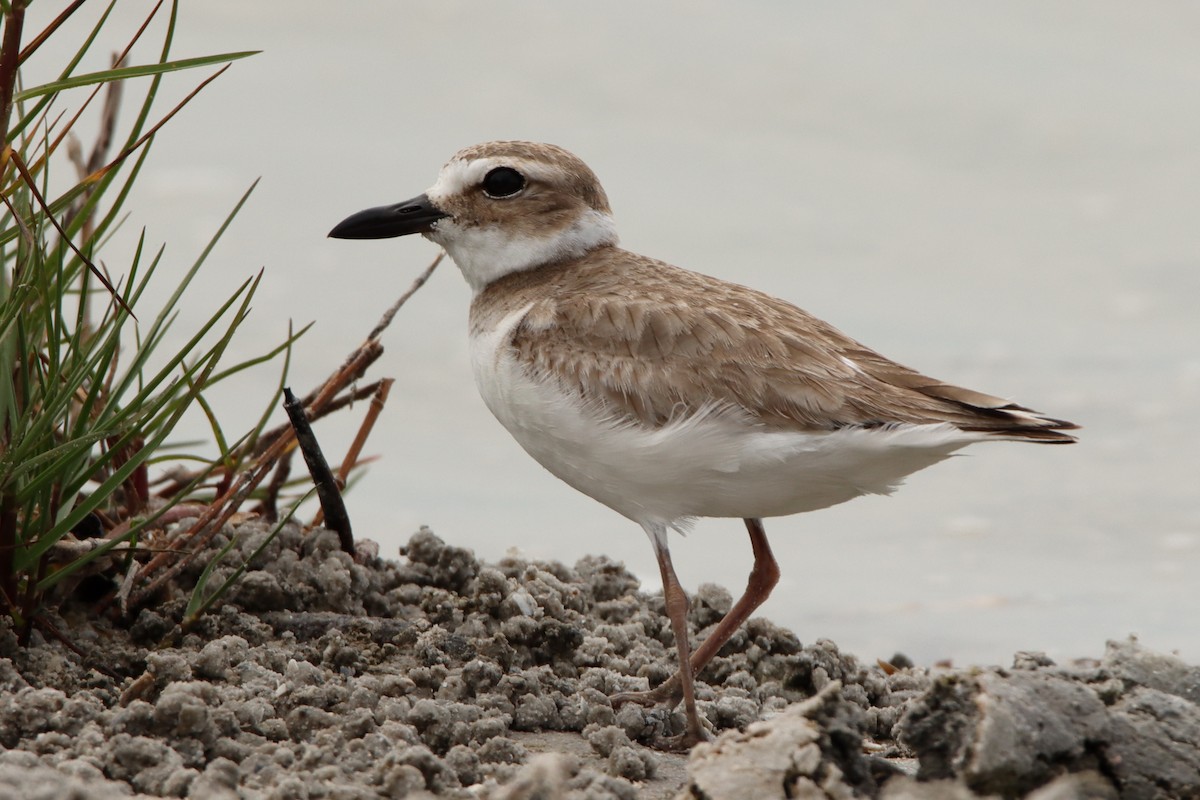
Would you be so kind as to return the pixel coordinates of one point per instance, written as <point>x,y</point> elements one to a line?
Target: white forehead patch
<point>457,176</point>
<point>460,175</point>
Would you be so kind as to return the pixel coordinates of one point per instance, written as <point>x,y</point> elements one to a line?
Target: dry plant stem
<point>316,402</point>
<point>137,488</point>
<point>29,607</point>
<point>327,486</point>
<point>26,234</point>
<point>270,503</point>
<point>352,370</point>
<point>8,545</point>
<point>378,401</point>
<point>70,126</point>
<point>228,503</point>
<point>10,52</point>
<point>267,451</point>
<point>416,284</point>
<point>371,349</point>
<point>205,528</point>
<point>168,517</point>
<point>350,398</point>
<point>379,398</point>
<point>180,479</point>
<point>145,137</point>
<point>359,356</point>
<point>108,125</point>
<point>173,481</point>
<point>37,41</point>
<point>31,182</point>
<point>100,149</point>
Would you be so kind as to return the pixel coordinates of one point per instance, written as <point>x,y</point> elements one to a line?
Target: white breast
<point>716,463</point>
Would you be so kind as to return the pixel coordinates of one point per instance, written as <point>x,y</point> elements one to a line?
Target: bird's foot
<point>669,694</point>
<point>684,742</point>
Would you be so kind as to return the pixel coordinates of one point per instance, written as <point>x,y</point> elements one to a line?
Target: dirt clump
<point>437,674</point>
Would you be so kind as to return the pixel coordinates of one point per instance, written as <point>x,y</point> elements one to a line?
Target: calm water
<point>1004,196</point>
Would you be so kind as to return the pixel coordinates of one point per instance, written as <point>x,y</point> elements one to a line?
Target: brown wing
<point>655,342</point>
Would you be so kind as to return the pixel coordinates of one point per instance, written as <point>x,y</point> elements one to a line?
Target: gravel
<point>437,674</point>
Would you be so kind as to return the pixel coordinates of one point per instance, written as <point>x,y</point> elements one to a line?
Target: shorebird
<point>666,394</point>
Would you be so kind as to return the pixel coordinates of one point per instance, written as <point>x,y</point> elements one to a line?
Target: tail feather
<point>1017,422</point>
<point>1003,418</point>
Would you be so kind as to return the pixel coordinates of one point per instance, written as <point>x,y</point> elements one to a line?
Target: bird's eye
<point>503,182</point>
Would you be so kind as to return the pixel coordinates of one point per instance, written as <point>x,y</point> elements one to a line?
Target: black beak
<point>411,216</point>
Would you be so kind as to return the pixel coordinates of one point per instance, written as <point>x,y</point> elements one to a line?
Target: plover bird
<point>666,394</point>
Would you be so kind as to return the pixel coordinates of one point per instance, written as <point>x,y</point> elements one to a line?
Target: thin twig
<point>163,521</point>
<point>417,284</point>
<point>268,450</point>
<point>79,112</point>
<point>108,125</point>
<point>100,149</point>
<point>378,401</point>
<point>224,506</point>
<point>37,41</point>
<point>352,397</point>
<point>357,357</point>
<point>356,363</point>
<point>155,128</point>
<point>32,184</point>
<point>270,503</point>
<point>26,233</point>
<point>10,53</point>
<point>319,401</point>
<point>180,477</point>
<point>8,548</point>
<point>204,529</point>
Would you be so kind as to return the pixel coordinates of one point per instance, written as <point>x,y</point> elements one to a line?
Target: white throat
<point>485,254</point>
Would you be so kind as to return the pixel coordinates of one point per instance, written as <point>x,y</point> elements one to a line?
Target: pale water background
<point>1005,196</point>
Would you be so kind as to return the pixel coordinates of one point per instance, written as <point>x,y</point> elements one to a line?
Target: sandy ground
<point>327,677</point>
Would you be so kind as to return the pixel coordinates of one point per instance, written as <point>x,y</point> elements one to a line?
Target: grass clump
<point>91,384</point>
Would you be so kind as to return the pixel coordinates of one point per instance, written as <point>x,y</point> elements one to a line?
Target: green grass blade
<point>124,73</point>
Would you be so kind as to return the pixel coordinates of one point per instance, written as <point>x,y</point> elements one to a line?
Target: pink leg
<point>764,575</point>
<point>677,608</point>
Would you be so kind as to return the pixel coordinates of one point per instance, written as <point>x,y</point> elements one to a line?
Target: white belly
<point>713,464</point>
